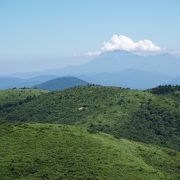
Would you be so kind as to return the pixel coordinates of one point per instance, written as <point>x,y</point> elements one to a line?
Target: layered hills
<point>90,132</point>
<point>116,68</point>
<point>138,115</point>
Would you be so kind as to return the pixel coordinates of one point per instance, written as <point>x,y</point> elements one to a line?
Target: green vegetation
<point>131,114</point>
<point>47,151</point>
<point>167,89</point>
<point>90,133</point>
<point>13,96</point>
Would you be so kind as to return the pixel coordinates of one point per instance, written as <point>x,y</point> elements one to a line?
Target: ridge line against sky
<point>44,30</point>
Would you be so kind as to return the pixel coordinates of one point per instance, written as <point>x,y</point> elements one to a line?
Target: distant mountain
<point>129,79</point>
<point>117,61</point>
<point>11,82</point>
<point>61,83</point>
<point>117,68</point>
<point>121,60</point>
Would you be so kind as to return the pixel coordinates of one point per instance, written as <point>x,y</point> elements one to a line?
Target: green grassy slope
<point>46,151</point>
<point>13,96</point>
<point>131,114</point>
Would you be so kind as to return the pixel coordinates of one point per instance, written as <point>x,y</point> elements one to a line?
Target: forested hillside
<point>137,115</point>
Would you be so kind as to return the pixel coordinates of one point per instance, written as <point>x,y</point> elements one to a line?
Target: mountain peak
<point>61,83</point>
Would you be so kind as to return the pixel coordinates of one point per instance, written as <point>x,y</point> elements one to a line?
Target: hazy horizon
<point>40,35</point>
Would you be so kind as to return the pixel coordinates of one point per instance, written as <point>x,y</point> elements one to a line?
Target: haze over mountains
<point>116,68</point>
<point>11,82</point>
<point>89,90</point>
<point>117,61</point>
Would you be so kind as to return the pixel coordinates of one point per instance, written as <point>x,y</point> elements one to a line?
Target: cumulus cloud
<point>121,42</point>
<point>125,43</point>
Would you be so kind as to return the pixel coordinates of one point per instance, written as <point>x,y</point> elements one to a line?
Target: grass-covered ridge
<point>47,151</point>
<point>15,96</point>
<point>132,114</point>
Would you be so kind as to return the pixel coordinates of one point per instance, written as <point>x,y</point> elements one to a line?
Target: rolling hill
<point>90,132</point>
<point>47,151</point>
<point>137,115</point>
<point>61,83</point>
<point>15,96</point>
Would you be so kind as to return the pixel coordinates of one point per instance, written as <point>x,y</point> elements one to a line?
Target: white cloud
<point>121,42</point>
<point>125,43</point>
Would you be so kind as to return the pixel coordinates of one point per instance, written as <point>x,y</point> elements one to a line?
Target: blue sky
<point>33,30</point>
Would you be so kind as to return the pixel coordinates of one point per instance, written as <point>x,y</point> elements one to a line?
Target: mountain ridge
<point>61,83</point>
<point>157,69</point>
